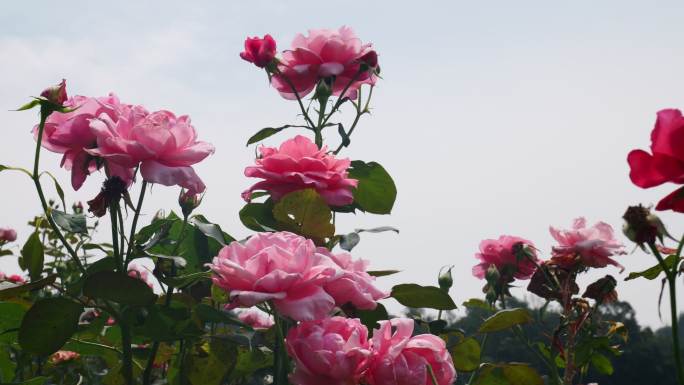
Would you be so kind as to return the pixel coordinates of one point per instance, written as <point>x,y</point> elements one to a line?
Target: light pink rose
<point>500,253</point>
<point>7,234</point>
<point>325,53</point>
<point>399,359</point>
<point>588,246</point>
<point>70,134</point>
<point>165,146</point>
<point>283,268</point>
<point>299,164</point>
<point>141,273</point>
<point>63,356</point>
<point>355,285</point>
<point>256,318</point>
<point>331,351</point>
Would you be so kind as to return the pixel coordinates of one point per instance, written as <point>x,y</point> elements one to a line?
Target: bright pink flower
<point>63,356</point>
<point>299,164</point>
<point>280,267</point>
<point>14,278</point>
<point>256,318</point>
<point>259,51</point>
<point>666,164</point>
<point>56,94</point>
<point>355,285</point>
<point>325,53</point>
<point>7,235</point>
<point>399,359</point>
<point>502,254</point>
<point>70,134</point>
<point>141,273</point>
<point>588,246</point>
<point>165,146</point>
<point>331,351</point>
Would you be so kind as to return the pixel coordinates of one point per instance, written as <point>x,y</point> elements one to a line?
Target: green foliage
<point>33,256</point>
<point>73,223</point>
<point>376,191</point>
<point>119,288</point>
<point>466,354</point>
<point>266,132</point>
<point>654,272</point>
<point>305,212</point>
<point>505,319</point>
<point>48,324</point>
<point>416,296</point>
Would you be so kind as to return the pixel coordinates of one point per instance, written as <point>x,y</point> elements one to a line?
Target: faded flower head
<point>582,246</point>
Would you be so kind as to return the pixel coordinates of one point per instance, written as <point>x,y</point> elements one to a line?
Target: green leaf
<point>249,361</point>
<point>211,230</point>
<point>602,364</point>
<point>349,241</point>
<point>505,319</point>
<point>48,325</point>
<point>161,323</point>
<point>58,187</point>
<point>211,363</point>
<point>14,291</point>
<point>33,103</point>
<point>305,212</point>
<point>33,256</point>
<point>653,272</point>
<point>416,296</point>
<point>376,191</point>
<point>208,314</point>
<point>370,318</point>
<point>25,171</point>
<point>508,374</point>
<point>343,135</point>
<point>186,280</point>
<point>466,355</point>
<point>36,381</point>
<point>120,288</point>
<point>267,132</point>
<point>258,216</point>
<point>382,273</point>
<point>73,223</point>
<point>476,303</point>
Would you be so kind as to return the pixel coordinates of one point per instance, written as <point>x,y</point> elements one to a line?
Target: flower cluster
<point>337,351</point>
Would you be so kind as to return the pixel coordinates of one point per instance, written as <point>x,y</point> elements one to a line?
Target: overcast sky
<point>494,117</point>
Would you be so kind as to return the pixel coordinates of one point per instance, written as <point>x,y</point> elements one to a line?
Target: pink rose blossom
<point>280,267</point>
<point>299,164</point>
<point>500,253</point>
<point>331,351</point>
<point>70,134</point>
<point>399,359</point>
<point>590,246</point>
<point>15,278</point>
<point>7,234</point>
<point>141,273</point>
<point>325,53</point>
<point>259,51</point>
<point>63,356</point>
<point>165,146</point>
<point>256,318</point>
<point>56,94</point>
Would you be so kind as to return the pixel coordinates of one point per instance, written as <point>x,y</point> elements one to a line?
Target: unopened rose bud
<point>641,226</point>
<point>261,52</point>
<point>56,94</point>
<point>370,60</point>
<point>189,201</point>
<point>492,275</point>
<point>77,208</point>
<point>445,279</point>
<point>323,90</point>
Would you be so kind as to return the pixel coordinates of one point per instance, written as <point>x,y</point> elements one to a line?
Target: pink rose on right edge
<point>299,164</point>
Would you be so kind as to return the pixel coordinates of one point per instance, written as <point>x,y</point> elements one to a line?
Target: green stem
<point>36,180</point>
<point>113,207</point>
<point>134,225</point>
<point>281,359</point>
<point>432,375</point>
<point>127,356</point>
<point>299,99</point>
<point>341,98</point>
<point>671,281</point>
<point>359,113</point>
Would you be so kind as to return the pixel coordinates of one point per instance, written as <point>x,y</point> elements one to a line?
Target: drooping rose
<point>141,273</point>
<point>70,134</point>
<point>583,246</point>
<point>259,51</point>
<point>7,234</point>
<point>63,356</point>
<point>666,163</point>
<point>399,359</point>
<point>506,255</point>
<point>256,318</point>
<point>281,267</point>
<point>325,53</point>
<point>56,94</point>
<point>331,351</point>
<point>299,164</point>
<point>165,146</point>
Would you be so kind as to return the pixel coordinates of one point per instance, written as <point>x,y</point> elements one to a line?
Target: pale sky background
<point>493,116</point>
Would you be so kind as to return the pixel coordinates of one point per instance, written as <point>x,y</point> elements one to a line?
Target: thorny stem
<point>36,180</point>
<point>299,99</point>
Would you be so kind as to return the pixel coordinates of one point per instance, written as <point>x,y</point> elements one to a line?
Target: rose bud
<point>189,201</point>
<point>112,190</point>
<point>370,61</point>
<point>261,52</point>
<point>77,208</point>
<point>641,226</point>
<point>7,235</point>
<point>602,291</point>
<point>56,94</point>
<point>445,279</point>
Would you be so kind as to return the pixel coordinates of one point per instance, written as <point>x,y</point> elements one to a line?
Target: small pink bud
<point>7,235</point>
<point>259,51</point>
<point>189,201</point>
<point>56,94</point>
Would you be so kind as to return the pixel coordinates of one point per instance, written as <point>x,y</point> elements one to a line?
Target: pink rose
<point>666,164</point>
<point>165,146</point>
<point>502,254</point>
<point>141,273</point>
<point>14,278</point>
<point>259,51</point>
<point>399,359</point>
<point>325,53</point>
<point>7,234</point>
<point>70,134</point>
<point>588,246</point>
<point>256,318</point>
<point>299,164</point>
<point>63,356</point>
<point>56,94</point>
<point>283,268</point>
<point>331,351</point>
<point>355,285</point>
